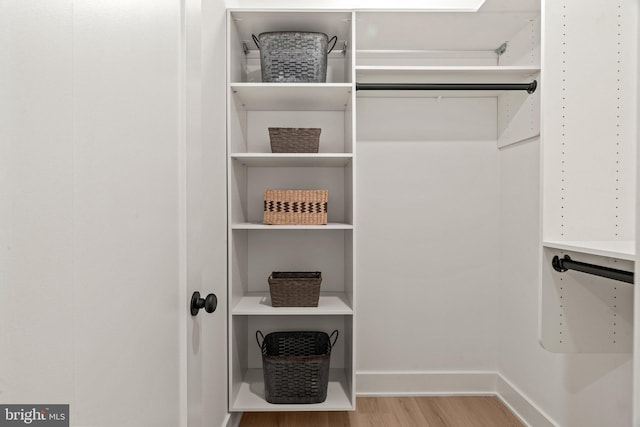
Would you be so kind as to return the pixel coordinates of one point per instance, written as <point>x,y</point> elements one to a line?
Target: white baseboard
<point>521,405</point>
<point>232,419</point>
<point>449,384</point>
<point>424,383</point>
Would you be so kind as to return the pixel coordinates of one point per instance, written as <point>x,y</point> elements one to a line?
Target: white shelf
<point>293,96</point>
<point>293,159</point>
<point>251,395</point>
<point>614,249</point>
<point>448,74</point>
<point>259,226</point>
<point>259,303</point>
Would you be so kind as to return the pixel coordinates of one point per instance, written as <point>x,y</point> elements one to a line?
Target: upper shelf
<point>445,74</point>
<point>293,96</point>
<point>615,249</point>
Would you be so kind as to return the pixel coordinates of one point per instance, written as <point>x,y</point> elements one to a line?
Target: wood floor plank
<point>438,411</point>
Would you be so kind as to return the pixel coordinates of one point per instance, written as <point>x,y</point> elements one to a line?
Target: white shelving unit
<point>372,47</point>
<point>256,249</point>
<point>588,170</point>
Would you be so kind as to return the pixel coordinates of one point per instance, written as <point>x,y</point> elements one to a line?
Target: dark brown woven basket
<point>295,288</point>
<point>295,207</point>
<point>294,140</point>
<point>296,365</point>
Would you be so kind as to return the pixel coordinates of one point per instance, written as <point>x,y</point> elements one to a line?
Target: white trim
<point>232,419</point>
<point>528,412</point>
<point>425,383</point>
<point>183,336</point>
<point>380,384</point>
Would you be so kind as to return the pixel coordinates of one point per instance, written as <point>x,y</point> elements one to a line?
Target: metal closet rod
<point>566,263</point>
<point>529,87</point>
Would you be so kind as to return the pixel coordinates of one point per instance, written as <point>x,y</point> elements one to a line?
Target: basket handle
<point>258,339</point>
<point>331,344</point>
<point>335,40</point>
<point>255,40</point>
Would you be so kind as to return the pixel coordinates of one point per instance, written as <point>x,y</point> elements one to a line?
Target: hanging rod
<point>529,87</point>
<point>566,263</point>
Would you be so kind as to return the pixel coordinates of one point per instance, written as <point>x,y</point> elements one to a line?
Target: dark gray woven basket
<point>296,365</point>
<point>294,140</point>
<point>293,56</point>
<point>295,288</point>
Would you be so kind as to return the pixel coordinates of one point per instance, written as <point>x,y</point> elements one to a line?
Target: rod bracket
<point>500,50</point>
<point>245,48</point>
<point>557,264</point>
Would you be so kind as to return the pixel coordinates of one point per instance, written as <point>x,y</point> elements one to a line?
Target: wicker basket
<point>293,56</point>
<point>296,365</point>
<point>295,288</point>
<point>294,140</point>
<point>295,207</point>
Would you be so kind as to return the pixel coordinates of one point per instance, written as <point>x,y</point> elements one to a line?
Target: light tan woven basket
<point>294,140</point>
<point>295,207</point>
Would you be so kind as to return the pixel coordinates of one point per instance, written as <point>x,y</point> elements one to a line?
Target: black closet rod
<point>529,87</point>
<point>566,263</point>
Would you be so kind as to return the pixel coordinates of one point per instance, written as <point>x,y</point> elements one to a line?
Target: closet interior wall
<point>429,193</point>
<point>448,248</point>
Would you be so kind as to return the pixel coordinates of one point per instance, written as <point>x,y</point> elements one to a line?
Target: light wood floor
<point>450,411</point>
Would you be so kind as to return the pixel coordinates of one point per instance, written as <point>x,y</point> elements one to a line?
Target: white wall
<point>36,199</point>
<point>89,219</point>
<point>581,390</point>
<point>428,204</point>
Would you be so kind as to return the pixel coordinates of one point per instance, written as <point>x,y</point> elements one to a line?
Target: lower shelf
<point>250,397</point>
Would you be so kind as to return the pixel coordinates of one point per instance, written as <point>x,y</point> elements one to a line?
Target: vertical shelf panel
<point>589,133</point>
<point>588,172</point>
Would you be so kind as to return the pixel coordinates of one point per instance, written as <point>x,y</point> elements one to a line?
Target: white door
<point>104,231</point>
<point>205,116</point>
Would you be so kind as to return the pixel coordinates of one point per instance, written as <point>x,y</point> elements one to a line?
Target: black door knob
<point>210,303</point>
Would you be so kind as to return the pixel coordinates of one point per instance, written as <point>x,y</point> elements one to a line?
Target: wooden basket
<point>295,207</point>
<point>295,288</point>
<point>294,140</point>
